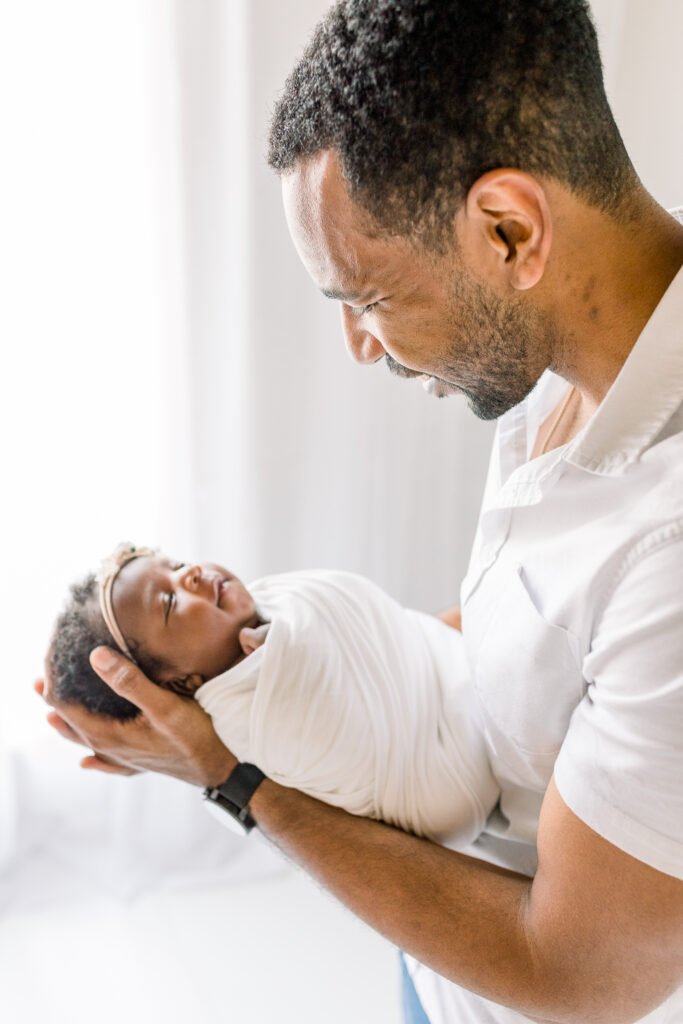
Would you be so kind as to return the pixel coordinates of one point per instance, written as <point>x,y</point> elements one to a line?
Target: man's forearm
<point>460,916</point>
<point>594,937</point>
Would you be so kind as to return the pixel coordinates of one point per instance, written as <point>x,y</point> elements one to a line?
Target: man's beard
<point>502,349</point>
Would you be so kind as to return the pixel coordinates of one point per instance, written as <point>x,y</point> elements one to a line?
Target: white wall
<point>641,47</point>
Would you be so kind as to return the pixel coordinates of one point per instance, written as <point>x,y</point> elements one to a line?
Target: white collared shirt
<point>573,624</point>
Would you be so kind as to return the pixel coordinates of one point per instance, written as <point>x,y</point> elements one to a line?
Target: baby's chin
<point>186,685</point>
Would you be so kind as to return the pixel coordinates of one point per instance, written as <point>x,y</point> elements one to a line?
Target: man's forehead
<point>316,184</point>
<point>330,232</point>
<point>319,213</point>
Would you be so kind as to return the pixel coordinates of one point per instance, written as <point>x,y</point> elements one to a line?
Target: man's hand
<point>172,735</point>
<point>452,617</point>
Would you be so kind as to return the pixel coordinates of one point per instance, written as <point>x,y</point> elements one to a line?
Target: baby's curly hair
<point>422,97</point>
<point>78,630</point>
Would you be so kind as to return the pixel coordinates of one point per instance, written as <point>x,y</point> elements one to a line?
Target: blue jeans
<point>412,1007</point>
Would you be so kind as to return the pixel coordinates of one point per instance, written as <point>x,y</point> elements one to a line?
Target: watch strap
<point>234,794</point>
<point>242,783</point>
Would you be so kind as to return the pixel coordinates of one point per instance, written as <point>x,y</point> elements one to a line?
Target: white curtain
<point>170,375</point>
<point>98,426</point>
<point>301,458</point>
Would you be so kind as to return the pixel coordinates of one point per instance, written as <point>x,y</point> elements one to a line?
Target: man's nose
<point>361,344</point>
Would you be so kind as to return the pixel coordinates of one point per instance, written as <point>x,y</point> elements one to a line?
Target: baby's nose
<point>193,575</point>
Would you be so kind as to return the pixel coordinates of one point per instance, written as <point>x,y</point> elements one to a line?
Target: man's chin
<point>492,405</point>
<point>484,407</point>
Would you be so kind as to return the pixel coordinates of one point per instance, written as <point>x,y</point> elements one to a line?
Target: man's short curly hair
<point>421,97</point>
<point>78,630</point>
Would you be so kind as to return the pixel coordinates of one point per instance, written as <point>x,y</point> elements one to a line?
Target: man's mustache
<point>399,369</point>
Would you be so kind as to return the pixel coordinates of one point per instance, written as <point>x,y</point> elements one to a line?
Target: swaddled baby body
<point>319,678</point>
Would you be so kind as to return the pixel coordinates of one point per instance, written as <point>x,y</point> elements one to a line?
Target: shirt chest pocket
<point>526,671</point>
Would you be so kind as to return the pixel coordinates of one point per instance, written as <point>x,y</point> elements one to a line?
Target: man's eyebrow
<point>332,293</point>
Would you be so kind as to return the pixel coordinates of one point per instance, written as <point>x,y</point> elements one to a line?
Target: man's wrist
<point>220,771</point>
<point>232,797</point>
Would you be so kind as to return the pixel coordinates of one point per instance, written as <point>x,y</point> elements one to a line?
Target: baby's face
<point>186,616</point>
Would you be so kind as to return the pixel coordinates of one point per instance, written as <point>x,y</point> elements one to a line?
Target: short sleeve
<point>620,768</point>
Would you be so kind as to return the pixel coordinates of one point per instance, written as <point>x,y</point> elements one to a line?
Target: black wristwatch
<point>230,801</point>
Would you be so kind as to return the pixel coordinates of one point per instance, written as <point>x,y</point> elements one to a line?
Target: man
<point>452,176</point>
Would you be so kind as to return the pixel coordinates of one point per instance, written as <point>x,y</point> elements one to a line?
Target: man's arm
<point>597,936</point>
<point>452,617</point>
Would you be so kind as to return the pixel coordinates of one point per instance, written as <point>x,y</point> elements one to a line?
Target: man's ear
<point>507,228</point>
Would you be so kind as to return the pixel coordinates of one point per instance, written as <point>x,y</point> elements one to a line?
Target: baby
<point>319,678</point>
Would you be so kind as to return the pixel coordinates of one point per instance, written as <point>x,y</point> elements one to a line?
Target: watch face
<point>225,817</point>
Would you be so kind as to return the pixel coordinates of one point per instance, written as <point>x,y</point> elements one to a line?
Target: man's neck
<point>602,286</point>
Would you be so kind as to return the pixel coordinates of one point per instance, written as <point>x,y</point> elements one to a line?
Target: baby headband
<point>106,577</point>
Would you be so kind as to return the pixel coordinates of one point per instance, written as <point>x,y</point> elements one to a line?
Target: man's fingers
<point>63,728</point>
<point>172,735</point>
<point>43,689</point>
<point>452,617</point>
<point>129,681</point>
<point>95,763</point>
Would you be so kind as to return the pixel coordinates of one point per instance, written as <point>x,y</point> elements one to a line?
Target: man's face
<point>426,313</point>
<point>188,617</point>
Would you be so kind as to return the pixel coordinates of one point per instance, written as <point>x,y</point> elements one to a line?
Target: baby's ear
<point>185,687</point>
<point>250,638</point>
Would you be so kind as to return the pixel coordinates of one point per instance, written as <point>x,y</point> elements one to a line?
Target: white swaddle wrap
<point>360,703</point>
